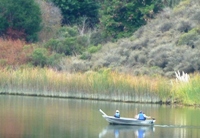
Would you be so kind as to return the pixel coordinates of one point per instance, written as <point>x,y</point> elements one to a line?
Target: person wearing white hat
<point>117,114</point>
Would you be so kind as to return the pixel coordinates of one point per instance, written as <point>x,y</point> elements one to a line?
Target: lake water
<point>33,117</point>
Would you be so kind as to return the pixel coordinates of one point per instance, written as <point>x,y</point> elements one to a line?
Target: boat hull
<point>128,121</point>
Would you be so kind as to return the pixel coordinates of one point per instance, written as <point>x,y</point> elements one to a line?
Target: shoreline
<point>83,98</point>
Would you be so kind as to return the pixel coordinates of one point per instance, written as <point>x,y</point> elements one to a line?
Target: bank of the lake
<point>102,85</point>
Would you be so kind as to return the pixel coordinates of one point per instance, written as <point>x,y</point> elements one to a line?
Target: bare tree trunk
<point>83,26</point>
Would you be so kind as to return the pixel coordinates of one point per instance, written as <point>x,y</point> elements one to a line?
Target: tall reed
<point>187,92</point>
<point>104,84</point>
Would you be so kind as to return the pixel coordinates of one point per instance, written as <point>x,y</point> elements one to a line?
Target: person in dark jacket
<point>117,114</point>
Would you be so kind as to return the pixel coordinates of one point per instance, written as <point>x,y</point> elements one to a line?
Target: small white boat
<point>127,121</point>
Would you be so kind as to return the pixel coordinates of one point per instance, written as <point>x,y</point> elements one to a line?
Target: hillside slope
<point>168,43</point>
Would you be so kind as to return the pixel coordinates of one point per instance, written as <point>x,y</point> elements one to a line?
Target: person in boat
<point>142,116</point>
<point>117,114</point>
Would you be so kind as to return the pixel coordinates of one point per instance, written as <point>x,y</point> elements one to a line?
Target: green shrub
<point>53,59</point>
<point>94,49</point>
<point>85,56</point>
<point>180,7</point>
<point>68,41</point>
<point>39,57</point>
<point>186,38</point>
<point>67,31</point>
<point>97,38</point>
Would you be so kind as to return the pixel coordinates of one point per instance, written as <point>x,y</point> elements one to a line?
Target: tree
<point>74,11</point>
<point>68,41</point>
<point>51,20</point>
<point>20,19</point>
<point>120,18</point>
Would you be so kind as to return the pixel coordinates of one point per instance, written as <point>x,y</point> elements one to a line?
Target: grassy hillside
<point>168,43</point>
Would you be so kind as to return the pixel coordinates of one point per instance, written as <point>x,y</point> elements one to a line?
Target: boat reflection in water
<point>126,131</point>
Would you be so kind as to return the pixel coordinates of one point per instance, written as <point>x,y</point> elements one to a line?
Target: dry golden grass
<point>104,84</point>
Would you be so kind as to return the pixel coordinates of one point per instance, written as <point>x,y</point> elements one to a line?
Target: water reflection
<point>34,117</point>
<point>118,131</point>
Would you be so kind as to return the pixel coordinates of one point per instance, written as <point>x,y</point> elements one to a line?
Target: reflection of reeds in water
<point>104,84</point>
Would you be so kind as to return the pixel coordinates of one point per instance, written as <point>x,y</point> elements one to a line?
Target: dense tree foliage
<point>68,41</point>
<point>74,11</point>
<point>120,18</point>
<point>20,19</point>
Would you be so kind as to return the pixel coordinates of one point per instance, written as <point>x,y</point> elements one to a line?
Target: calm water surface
<point>33,117</point>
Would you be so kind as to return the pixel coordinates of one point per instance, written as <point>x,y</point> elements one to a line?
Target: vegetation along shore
<point>102,85</point>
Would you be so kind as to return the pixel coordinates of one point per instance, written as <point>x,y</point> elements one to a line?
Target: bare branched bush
<point>51,20</point>
<point>112,59</point>
<point>80,66</point>
<point>139,32</point>
<point>196,17</point>
<point>132,60</point>
<point>160,56</point>
<point>136,45</point>
<point>142,58</point>
<point>183,59</point>
<point>165,14</point>
<point>73,65</point>
<point>184,26</point>
<point>166,26</point>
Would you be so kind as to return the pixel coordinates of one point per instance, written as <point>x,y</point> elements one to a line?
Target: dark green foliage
<point>68,41</point>
<point>53,59</point>
<point>20,19</point>
<point>97,38</point>
<point>39,57</point>
<point>94,49</point>
<point>122,18</point>
<point>3,25</point>
<point>74,10</point>
<point>85,56</point>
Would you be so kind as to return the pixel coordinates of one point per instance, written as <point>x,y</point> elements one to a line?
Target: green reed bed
<point>187,92</point>
<point>122,87</point>
<point>105,85</point>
